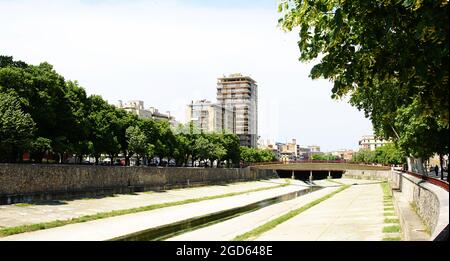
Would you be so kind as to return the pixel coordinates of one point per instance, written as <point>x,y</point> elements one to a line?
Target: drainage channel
<point>177,228</point>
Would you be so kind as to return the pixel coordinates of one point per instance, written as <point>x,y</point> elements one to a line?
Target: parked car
<point>86,162</point>
<point>172,163</point>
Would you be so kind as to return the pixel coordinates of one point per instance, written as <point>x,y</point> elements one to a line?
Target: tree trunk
<point>441,163</point>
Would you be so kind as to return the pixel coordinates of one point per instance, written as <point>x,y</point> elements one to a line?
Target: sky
<point>170,52</point>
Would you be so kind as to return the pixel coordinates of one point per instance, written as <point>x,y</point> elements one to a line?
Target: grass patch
<point>391,229</point>
<point>392,239</point>
<point>58,223</point>
<point>334,181</point>
<point>23,204</point>
<point>389,214</point>
<point>391,220</point>
<point>273,223</point>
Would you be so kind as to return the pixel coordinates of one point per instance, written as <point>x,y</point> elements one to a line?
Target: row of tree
<point>42,113</point>
<point>387,155</point>
<point>390,57</point>
<point>324,157</point>
<point>251,155</point>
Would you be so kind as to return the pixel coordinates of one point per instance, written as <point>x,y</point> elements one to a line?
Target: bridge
<point>317,170</point>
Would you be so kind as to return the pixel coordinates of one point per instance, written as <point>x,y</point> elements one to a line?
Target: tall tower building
<point>240,93</point>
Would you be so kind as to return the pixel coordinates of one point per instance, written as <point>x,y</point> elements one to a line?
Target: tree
<point>137,142</point>
<point>324,157</point>
<point>103,135</point>
<point>181,153</point>
<point>39,147</point>
<point>364,156</point>
<point>389,56</point>
<point>122,121</point>
<point>16,128</point>
<point>79,131</point>
<point>251,155</point>
<point>218,151</point>
<point>42,94</point>
<point>232,146</point>
<point>203,148</point>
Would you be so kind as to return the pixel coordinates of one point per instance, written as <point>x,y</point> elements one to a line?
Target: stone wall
<point>22,183</point>
<point>431,202</point>
<point>384,175</point>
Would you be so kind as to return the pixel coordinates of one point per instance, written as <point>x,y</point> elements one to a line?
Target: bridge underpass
<point>305,175</point>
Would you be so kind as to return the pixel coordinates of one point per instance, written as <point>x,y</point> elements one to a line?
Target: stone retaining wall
<point>384,175</point>
<point>22,183</point>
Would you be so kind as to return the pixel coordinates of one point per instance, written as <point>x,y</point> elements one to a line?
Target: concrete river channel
<point>174,229</point>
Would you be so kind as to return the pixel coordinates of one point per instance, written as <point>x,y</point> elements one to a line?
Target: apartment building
<point>371,142</point>
<point>240,93</point>
<point>210,117</point>
<point>137,107</point>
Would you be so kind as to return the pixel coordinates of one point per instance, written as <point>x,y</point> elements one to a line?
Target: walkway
<point>353,214</point>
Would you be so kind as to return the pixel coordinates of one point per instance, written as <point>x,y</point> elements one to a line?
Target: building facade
<point>289,150</point>
<point>137,107</point>
<point>209,117</point>
<point>343,154</point>
<point>270,145</point>
<point>370,142</point>
<point>240,93</point>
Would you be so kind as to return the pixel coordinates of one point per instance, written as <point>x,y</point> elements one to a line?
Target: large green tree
<point>52,102</point>
<point>390,56</point>
<point>16,129</point>
<point>137,142</point>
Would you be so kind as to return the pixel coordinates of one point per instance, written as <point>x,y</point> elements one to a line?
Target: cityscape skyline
<point>133,52</point>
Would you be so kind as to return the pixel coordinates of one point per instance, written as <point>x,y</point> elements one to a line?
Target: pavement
<point>113,227</point>
<point>45,211</point>
<point>229,229</point>
<point>433,175</point>
<point>355,214</point>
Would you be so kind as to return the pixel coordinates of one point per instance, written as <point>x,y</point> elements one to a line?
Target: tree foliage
<point>44,114</point>
<point>390,56</point>
<point>324,157</point>
<point>16,128</point>
<point>387,154</point>
<point>252,155</point>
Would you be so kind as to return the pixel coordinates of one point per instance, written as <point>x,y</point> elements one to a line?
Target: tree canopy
<point>43,114</point>
<point>391,57</point>
<point>386,155</point>
<point>16,128</point>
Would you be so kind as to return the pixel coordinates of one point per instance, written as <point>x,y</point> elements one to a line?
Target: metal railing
<point>435,181</point>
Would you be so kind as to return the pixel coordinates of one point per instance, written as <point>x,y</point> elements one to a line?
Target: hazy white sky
<point>168,52</point>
